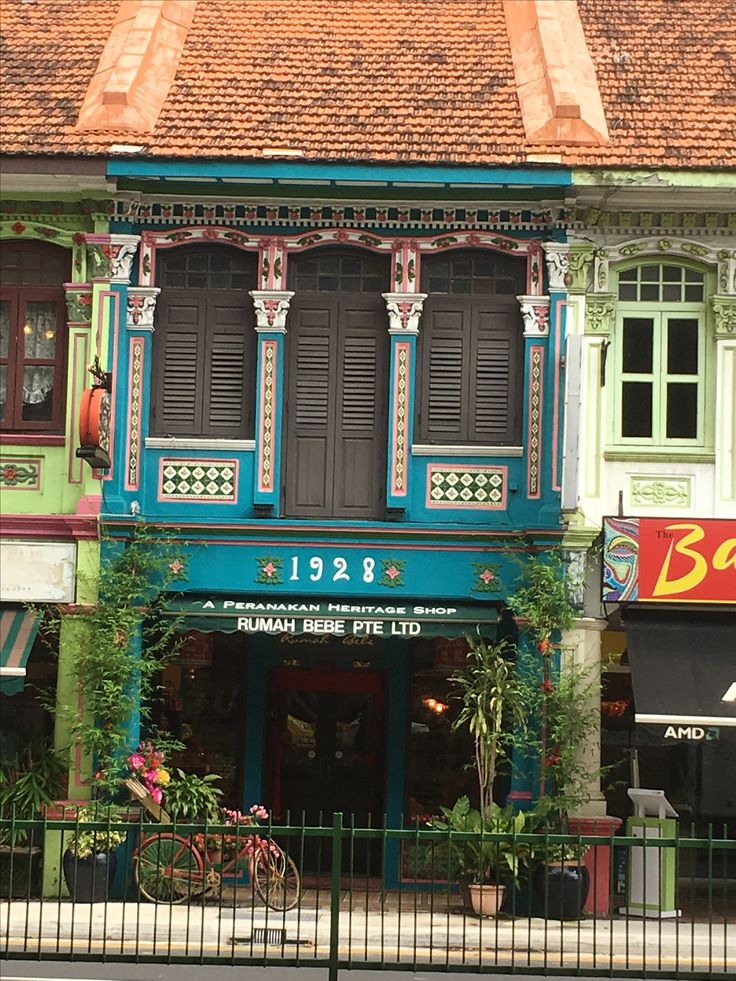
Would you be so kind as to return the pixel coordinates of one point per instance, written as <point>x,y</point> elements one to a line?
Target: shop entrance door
<point>327,745</point>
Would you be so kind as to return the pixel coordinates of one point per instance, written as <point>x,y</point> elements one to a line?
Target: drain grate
<point>269,937</point>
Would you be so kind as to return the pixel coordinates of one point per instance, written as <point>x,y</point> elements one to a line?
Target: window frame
<point>13,422</point>
<point>661,313</point>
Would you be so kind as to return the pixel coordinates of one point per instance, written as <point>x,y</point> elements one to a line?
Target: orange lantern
<point>94,427</point>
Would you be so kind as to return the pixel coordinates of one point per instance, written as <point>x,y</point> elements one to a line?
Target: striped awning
<point>18,629</point>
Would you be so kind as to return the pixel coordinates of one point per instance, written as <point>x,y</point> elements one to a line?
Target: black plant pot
<point>88,879</point>
<point>561,891</point>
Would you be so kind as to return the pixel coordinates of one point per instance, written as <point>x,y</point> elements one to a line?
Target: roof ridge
<point>137,66</point>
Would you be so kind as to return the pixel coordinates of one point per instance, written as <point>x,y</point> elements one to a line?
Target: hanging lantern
<point>94,427</point>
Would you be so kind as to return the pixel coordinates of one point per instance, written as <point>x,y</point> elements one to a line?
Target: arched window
<point>470,350</point>
<point>33,336</point>
<point>661,353</point>
<point>204,346</point>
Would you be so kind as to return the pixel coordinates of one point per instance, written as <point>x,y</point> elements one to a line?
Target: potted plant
<point>89,861</point>
<point>484,865</point>
<point>28,783</point>
<point>193,799</point>
<point>563,698</point>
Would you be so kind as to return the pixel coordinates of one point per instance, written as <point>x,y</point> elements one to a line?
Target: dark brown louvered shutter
<point>229,368</point>
<point>442,403</point>
<point>496,385</point>
<point>179,356</point>
<point>360,441</point>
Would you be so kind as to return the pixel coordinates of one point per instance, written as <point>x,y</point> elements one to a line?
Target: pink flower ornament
<point>136,761</point>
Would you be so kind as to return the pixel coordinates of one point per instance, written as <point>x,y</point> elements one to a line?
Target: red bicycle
<point>173,868</point>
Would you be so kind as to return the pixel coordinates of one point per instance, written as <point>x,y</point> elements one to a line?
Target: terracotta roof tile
<point>384,80</point>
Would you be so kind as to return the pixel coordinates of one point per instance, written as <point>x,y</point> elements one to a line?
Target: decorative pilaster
<point>724,312</point>
<point>271,308</point>
<point>404,311</point>
<point>535,311</point>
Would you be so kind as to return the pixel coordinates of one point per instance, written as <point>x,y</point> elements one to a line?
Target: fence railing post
<point>335,895</point>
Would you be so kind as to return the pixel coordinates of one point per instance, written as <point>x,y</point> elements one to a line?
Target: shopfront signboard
<point>254,615</point>
<point>37,572</point>
<point>669,560</point>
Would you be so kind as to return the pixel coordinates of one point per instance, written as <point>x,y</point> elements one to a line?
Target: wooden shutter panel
<point>179,354</point>
<point>312,382</point>
<point>496,390</point>
<point>227,390</point>
<point>443,384</point>
<point>359,384</point>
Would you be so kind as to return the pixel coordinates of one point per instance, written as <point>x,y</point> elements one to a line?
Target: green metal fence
<point>661,907</point>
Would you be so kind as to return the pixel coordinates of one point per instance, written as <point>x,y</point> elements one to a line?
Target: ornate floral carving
<point>111,256</point>
<point>557,255</point>
<point>599,311</point>
<point>141,307</point>
<point>673,492</point>
<point>404,311</point>
<point>581,258</point>
<point>78,303</point>
<point>535,311</point>
<point>724,311</point>
<point>271,308</point>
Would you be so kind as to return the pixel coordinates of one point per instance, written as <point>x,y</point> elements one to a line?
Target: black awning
<point>683,672</point>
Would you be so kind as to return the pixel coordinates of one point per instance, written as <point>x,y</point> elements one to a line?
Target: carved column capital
<point>599,312</point>
<point>78,303</point>
<point>580,262</point>
<point>557,255</point>
<point>535,311</point>
<point>111,256</point>
<point>271,308</point>
<point>141,307</point>
<point>404,311</point>
<point>724,312</point>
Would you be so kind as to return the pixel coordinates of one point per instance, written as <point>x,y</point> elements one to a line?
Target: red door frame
<point>310,679</point>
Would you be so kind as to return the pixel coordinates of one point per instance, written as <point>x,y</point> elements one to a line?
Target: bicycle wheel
<point>276,878</point>
<point>168,869</point>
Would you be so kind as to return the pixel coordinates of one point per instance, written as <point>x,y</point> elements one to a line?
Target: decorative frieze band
<point>404,311</point>
<point>271,307</point>
<point>141,307</point>
<point>535,311</point>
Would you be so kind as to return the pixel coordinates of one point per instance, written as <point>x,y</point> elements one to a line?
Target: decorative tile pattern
<point>20,473</point>
<point>198,480</point>
<point>135,395</point>
<point>392,573</point>
<point>401,393</point>
<point>654,492</point>
<point>485,578</point>
<point>534,410</point>
<point>269,353</point>
<point>466,486</point>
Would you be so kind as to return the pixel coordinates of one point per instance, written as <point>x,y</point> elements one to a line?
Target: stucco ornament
<point>141,307</point>
<point>271,307</point>
<point>404,311</point>
<point>724,311</point>
<point>111,256</point>
<point>599,311</point>
<point>557,255</point>
<point>535,311</point>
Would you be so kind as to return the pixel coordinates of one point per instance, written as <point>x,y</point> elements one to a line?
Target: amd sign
<point>695,733</point>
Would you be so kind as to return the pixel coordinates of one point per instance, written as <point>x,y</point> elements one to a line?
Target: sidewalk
<point>405,937</point>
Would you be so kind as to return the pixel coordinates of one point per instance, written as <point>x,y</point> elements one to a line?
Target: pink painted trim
<point>90,504</point>
<point>556,407</point>
<point>104,294</point>
<point>466,505</point>
<point>197,462</point>
<point>399,347</point>
<point>75,466</point>
<point>68,527</point>
<point>534,495</point>
<point>28,439</point>
<point>135,341</point>
<point>264,488</point>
